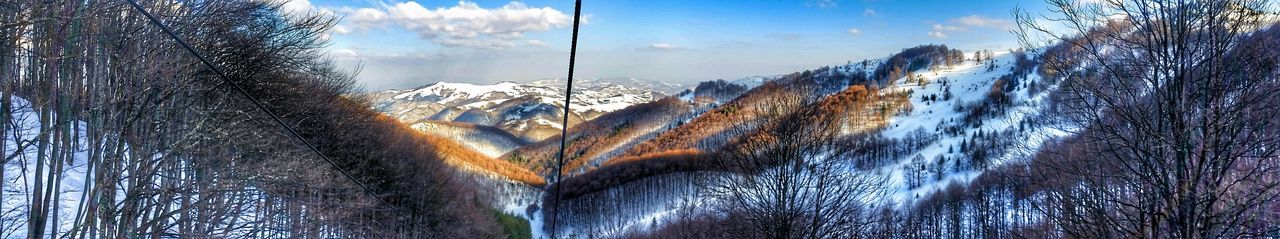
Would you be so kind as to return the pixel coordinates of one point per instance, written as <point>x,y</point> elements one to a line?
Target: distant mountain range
<point>917,106</point>
<point>520,112</point>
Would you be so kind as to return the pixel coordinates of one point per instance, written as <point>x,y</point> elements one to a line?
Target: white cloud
<point>536,43</point>
<point>855,31</point>
<point>296,6</point>
<point>962,24</point>
<point>467,20</point>
<point>823,3</point>
<point>344,53</point>
<point>303,8</point>
<point>360,20</point>
<point>341,30</point>
<point>982,21</point>
<point>869,12</point>
<point>940,27</point>
<point>663,46</point>
<point>464,25</point>
<point>937,34</point>
<point>478,43</point>
<point>1089,3</point>
<point>939,30</point>
<point>357,53</point>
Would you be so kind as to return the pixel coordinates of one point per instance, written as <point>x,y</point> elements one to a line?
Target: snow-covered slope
<point>20,177</point>
<point>945,124</point>
<point>960,120</point>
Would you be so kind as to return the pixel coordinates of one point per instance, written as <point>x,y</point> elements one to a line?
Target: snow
<point>607,107</point>
<point>483,104</point>
<point>753,81</point>
<point>669,213</point>
<point>20,174</point>
<point>544,121</point>
<point>535,219</point>
<point>601,98</point>
<point>687,96</point>
<point>458,91</point>
<point>969,83</point>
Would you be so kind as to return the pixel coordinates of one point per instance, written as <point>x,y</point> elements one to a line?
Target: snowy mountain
<point>661,87</point>
<point>530,111</point>
<point>926,103</point>
<point>1133,121</point>
<point>925,121</point>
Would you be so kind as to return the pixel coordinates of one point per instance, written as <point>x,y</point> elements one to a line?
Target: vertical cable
<point>564,125</point>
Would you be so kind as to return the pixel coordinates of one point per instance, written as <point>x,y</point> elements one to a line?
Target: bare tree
<point>1174,105</point>
<point>121,133</point>
<point>791,177</point>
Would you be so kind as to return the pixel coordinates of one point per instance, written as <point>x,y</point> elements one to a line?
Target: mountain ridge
<point>531,110</point>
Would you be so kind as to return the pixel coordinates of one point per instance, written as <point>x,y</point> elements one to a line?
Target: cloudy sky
<point>403,44</point>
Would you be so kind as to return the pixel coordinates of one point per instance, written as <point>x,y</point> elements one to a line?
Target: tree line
<point>114,131</point>
<point>1170,111</point>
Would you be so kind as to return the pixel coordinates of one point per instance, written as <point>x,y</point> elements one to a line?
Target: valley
<point>916,120</point>
<point>689,119</point>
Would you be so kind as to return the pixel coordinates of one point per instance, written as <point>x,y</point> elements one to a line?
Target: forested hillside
<point>112,130</point>
<point>592,142</point>
<point>1105,131</point>
<point>1114,119</point>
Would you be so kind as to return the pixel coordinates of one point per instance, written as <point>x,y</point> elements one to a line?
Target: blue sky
<point>403,44</point>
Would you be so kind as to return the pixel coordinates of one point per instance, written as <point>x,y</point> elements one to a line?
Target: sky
<point>397,44</point>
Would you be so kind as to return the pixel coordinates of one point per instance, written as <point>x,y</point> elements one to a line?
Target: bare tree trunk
<point>1173,107</point>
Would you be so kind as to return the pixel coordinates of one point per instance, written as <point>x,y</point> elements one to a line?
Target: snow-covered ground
<point>516,199</point>
<point>969,83</point>
<point>19,175</point>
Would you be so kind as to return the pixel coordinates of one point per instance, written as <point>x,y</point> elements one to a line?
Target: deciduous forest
<point>235,119</point>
